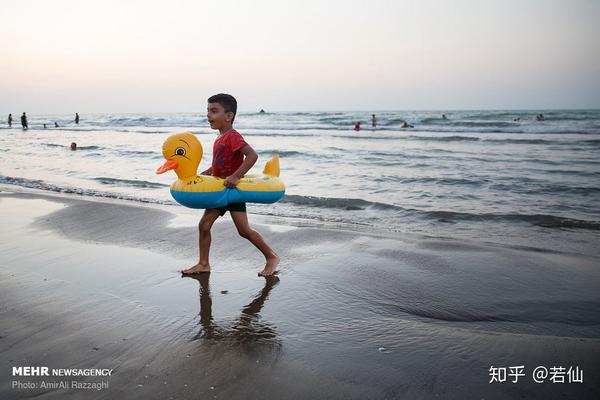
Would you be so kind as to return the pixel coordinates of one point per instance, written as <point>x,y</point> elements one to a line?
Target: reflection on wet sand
<point>248,331</point>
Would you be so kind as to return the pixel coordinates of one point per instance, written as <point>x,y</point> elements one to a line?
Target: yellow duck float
<point>183,153</point>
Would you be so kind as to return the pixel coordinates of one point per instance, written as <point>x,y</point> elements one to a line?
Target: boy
<point>232,158</point>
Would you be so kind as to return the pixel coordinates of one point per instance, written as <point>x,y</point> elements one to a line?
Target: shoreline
<point>180,215</point>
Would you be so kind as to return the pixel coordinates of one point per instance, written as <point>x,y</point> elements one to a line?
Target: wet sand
<point>351,315</point>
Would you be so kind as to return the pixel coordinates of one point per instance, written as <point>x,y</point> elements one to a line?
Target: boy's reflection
<point>247,329</point>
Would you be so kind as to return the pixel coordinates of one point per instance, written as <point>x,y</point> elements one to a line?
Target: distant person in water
<point>76,118</point>
<point>262,111</point>
<point>406,125</point>
<point>24,121</point>
<point>540,117</point>
<point>45,126</point>
<point>444,116</point>
<point>373,121</point>
<point>517,119</point>
<point>56,124</point>
<point>357,126</point>
<point>10,120</point>
<point>73,146</point>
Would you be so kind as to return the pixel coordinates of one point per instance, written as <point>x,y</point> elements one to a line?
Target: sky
<point>64,56</point>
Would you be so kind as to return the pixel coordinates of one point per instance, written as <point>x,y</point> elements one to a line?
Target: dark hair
<point>227,101</point>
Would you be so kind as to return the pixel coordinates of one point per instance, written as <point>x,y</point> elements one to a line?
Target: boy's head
<point>221,110</point>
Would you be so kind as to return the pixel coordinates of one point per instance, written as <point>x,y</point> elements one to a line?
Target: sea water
<point>495,176</point>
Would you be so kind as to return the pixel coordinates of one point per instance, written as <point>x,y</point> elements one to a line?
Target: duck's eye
<point>180,151</point>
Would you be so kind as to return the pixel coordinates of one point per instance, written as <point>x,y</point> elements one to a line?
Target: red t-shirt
<point>227,156</point>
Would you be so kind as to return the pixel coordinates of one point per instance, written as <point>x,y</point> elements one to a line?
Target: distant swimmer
<point>10,120</point>
<point>45,126</point>
<point>56,124</point>
<point>24,121</point>
<point>540,117</point>
<point>76,118</point>
<point>357,126</point>
<point>373,121</point>
<point>262,111</point>
<point>444,116</point>
<point>73,146</point>
<point>406,125</point>
<point>517,119</point>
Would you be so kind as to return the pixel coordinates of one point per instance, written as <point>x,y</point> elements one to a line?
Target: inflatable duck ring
<point>183,153</point>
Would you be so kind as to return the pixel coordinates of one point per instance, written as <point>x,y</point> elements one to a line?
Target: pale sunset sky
<point>151,56</point>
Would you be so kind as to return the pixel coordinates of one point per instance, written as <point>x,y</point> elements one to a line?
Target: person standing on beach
<point>24,121</point>
<point>76,118</point>
<point>10,120</point>
<point>373,121</point>
<point>232,158</point>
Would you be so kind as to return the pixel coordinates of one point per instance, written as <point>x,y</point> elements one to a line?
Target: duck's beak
<point>167,166</point>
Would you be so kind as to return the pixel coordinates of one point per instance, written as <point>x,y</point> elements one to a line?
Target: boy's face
<point>217,117</point>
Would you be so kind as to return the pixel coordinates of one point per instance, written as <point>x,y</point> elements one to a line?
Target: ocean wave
<point>341,203</point>
<point>542,220</point>
<point>443,181</point>
<point>141,153</point>
<point>444,138</point>
<point>522,141</point>
<point>594,142</point>
<point>590,174</point>
<point>273,134</point>
<point>545,189</point>
<point>149,132</point>
<point>129,182</point>
<point>494,115</point>
<point>432,120</point>
<point>482,124</point>
<point>353,204</point>
<point>282,153</point>
<point>42,185</point>
<point>63,129</point>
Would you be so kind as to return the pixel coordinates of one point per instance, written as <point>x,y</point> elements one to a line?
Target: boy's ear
<point>229,116</point>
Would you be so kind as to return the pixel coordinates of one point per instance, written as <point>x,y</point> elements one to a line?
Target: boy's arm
<point>249,160</point>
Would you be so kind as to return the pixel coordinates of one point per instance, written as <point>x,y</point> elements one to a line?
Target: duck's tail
<point>272,166</point>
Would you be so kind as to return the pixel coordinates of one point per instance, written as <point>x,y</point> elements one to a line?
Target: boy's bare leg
<point>240,219</point>
<point>206,223</point>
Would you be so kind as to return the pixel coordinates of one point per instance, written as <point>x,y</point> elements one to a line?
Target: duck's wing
<point>272,166</point>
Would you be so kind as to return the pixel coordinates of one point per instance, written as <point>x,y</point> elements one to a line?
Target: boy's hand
<point>231,181</point>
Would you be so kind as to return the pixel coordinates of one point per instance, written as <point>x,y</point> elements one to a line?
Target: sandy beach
<point>95,284</point>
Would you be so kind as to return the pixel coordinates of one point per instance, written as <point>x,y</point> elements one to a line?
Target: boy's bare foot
<point>196,269</point>
<point>270,266</point>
